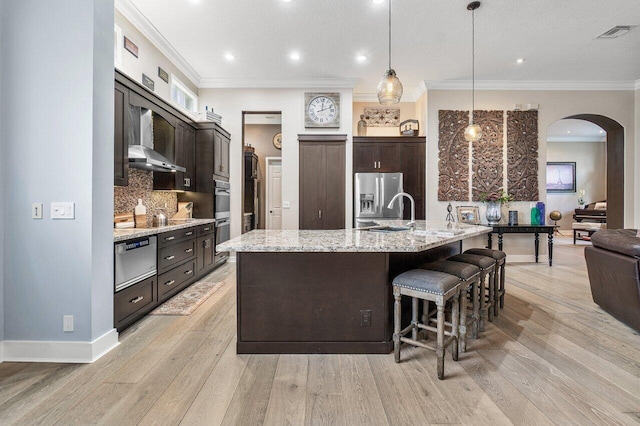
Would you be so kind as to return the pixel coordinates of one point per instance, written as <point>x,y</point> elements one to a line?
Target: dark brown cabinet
<point>221,154</point>
<point>121,145</point>
<point>184,155</point>
<point>133,302</point>
<point>212,155</point>
<point>404,154</point>
<point>205,256</point>
<point>322,170</point>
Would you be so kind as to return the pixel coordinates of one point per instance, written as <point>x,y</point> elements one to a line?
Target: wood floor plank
<point>361,397</point>
<point>324,404</point>
<point>287,402</point>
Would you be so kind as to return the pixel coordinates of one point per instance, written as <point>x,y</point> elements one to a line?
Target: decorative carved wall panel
<point>453,163</point>
<point>382,117</point>
<point>487,164</point>
<point>522,155</point>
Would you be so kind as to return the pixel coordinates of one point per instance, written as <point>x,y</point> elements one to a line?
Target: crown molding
<point>131,13</point>
<point>246,83</point>
<point>531,85</point>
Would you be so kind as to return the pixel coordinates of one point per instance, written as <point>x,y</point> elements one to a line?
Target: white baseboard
<point>66,352</point>
<point>527,258</point>
<point>232,258</point>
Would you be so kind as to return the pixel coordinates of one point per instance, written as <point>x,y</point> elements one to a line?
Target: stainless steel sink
<point>389,229</point>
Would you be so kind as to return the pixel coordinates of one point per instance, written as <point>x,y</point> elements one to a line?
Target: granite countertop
<point>129,233</point>
<point>428,234</point>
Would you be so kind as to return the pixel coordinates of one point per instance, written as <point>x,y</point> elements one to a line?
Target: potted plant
<point>494,202</point>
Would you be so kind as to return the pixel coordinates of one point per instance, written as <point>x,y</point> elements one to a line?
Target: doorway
<point>273,190</point>
<point>262,139</point>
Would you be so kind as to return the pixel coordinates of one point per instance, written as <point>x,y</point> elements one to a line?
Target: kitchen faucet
<point>411,224</point>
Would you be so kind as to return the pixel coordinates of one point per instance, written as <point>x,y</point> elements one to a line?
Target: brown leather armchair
<point>613,264</point>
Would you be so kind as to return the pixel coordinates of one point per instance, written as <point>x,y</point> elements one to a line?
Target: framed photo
<point>468,214</point>
<point>130,46</point>
<point>561,176</point>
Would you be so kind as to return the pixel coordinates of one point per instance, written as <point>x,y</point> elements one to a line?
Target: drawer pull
<point>189,272</point>
<point>206,229</point>
<point>169,238</point>
<point>188,233</point>
<point>136,300</point>
<point>189,250</point>
<point>169,257</point>
<point>170,282</point>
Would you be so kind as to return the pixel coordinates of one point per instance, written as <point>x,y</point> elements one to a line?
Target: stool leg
<point>475,296</point>
<point>455,324</point>
<point>502,288</point>
<point>440,339</point>
<point>491,283</point>
<point>496,291</point>
<point>462,297</point>
<point>396,323</point>
<point>414,318</point>
<point>425,317</point>
<point>482,300</point>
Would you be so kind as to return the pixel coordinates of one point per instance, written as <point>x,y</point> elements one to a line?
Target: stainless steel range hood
<point>141,152</point>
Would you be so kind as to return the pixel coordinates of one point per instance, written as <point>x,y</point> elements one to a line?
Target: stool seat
<point>496,254</point>
<point>482,262</point>
<point>464,271</point>
<point>432,282</point>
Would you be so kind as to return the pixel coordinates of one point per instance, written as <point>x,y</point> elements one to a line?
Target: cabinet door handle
<point>188,234</point>
<point>169,238</point>
<point>378,164</point>
<point>189,250</point>
<point>320,213</point>
<point>169,257</point>
<point>375,166</point>
<point>168,283</point>
<point>206,243</point>
<point>206,229</point>
<point>189,272</point>
<point>136,300</point>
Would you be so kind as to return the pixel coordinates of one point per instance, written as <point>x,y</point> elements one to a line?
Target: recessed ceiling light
<point>286,1</point>
<point>601,131</point>
<point>229,57</point>
<point>295,56</point>
<point>568,131</point>
<point>377,1</point>
<point>361,58</point>
<point>520,60</point>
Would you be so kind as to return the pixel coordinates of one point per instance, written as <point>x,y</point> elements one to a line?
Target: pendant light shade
<point>389,88</point>
<point>473,132</point>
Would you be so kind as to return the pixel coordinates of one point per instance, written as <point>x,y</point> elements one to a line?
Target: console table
<point>524,229</point>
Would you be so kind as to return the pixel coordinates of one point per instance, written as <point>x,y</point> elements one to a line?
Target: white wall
<point>637,156</point>
<point>148,60</point>
<point>554,105</point>
<point>57,101</point>
<point>591,175</point>
<point>230,103</point>
<point>3,178</point>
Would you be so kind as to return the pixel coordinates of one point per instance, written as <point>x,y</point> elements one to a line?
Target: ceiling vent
<point>617,31</point>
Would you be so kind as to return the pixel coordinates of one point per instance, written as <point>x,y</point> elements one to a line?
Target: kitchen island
<point>303,291</point>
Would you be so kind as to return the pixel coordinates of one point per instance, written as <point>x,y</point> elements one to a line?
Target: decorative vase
<point>494,212</point>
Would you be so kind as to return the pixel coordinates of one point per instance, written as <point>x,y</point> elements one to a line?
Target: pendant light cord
<point>389,34</point>
<point>473,64</point>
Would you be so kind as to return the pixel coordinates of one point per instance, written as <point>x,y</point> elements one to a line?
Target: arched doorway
<point>615,167</point>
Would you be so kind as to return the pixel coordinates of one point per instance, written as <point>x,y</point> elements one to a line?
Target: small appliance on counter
<point>160,219</point>
<point>372,195</point>
<point>140,215</point>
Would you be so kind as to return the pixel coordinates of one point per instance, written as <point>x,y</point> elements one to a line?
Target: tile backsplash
<point>125,198</point>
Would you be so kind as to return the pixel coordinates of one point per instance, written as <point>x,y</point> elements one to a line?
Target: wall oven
<point>135,260</point>
<point>223,233</point>
<point>222,200</point>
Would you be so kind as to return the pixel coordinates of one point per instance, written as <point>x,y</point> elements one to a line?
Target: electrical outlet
<point>365,318</point>
<point>36,211</point>
<point>67,323</point>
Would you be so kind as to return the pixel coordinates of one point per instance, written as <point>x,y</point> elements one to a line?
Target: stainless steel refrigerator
<point>373,191</point>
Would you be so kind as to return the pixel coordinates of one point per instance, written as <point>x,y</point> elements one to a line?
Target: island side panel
<point>312,302</point>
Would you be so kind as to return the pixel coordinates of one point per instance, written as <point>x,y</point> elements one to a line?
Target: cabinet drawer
<point>170,282</point>
<point>172,237</point>
<point>206,229</point>
<point>173,255</point>
<point>137,299</point>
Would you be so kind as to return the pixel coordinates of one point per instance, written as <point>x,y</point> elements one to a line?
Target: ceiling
<point>572,130</point>
<point>431,41</point>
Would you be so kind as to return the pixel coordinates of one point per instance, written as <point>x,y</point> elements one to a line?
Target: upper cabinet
<point>212,155</point>
<point>221,144</point>
<point>184,155</point>
<point>120,158</point>
<point>404,154</point>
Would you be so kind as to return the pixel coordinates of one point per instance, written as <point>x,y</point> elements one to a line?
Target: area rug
<point>185,302</point>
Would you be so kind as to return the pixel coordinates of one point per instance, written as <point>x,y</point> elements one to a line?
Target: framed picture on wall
<point>561,176</point>
<point>468,214</point>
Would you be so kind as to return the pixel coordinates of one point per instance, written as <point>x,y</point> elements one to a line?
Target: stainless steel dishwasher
<point>135,261</point>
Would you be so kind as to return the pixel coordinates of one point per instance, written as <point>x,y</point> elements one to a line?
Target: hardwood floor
<point>551,357</point>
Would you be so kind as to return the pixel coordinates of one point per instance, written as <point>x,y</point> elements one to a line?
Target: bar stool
<point>487,267</point>
<point>469,276</point>
<point>436,287</point>
<point>501,259</point>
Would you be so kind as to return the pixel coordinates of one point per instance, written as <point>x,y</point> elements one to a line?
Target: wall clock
<point>277,140</point>
<point>322,110</point>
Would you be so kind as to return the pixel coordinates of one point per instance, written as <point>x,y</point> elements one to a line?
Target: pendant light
<point>389,88</point>
<point>473,132</point>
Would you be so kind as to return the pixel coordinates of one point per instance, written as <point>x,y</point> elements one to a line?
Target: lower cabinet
<point>205,254</point>
<point>176,279</point>
<point>133,302</point>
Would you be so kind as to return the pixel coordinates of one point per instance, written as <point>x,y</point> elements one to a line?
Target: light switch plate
<point>286,205</point>
<point>36,210</point>
<point>62,210</point>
